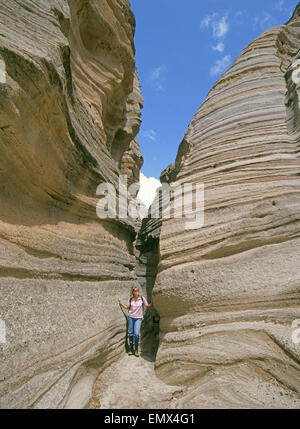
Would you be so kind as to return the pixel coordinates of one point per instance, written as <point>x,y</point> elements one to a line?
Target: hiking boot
<point>131,351</point>
<point>136,352</point>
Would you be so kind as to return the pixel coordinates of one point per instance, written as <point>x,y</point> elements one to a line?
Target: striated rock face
<point>228,293</point>
<point>69,115</point>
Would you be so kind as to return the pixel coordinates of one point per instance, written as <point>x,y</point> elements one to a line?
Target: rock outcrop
<point>228,293</point>
<point>225,294</point>
<point>69,114</point>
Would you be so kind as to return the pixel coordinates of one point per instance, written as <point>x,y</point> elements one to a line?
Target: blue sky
<point>182,48</point>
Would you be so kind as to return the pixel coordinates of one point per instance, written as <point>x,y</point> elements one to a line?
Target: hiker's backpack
<point>143,305</point>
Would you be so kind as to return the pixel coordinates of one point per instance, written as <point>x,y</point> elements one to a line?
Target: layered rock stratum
<point>229,292</point>
<point>225,295</point>
<point>70,110</point>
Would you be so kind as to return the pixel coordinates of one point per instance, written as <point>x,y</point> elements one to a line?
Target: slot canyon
<point>224,296</point>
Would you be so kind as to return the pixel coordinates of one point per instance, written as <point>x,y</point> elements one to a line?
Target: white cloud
<point>220,28</point>
<point>156,77</point>
<point>205,22</point>
<point>221,65</point>
<point>149,134</point>
<point>156,73</point>
<point>148,187</point>
<point>219,47</point>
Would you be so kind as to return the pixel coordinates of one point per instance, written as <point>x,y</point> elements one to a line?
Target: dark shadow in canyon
<point>146,268</point>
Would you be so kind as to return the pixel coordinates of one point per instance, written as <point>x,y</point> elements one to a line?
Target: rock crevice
<point>225,295</point>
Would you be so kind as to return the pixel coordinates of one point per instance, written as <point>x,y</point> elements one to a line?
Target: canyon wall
<point>228,292</point>
<point>70,109</point>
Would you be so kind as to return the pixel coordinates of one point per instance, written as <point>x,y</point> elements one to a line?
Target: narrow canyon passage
<point>131,383</point>
<point>226,294</point>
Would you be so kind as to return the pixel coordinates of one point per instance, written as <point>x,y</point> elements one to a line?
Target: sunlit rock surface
<point>228,293</point>
<point>69,115</point>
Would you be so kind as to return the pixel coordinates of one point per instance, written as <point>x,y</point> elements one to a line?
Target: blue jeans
<point>134,327</point>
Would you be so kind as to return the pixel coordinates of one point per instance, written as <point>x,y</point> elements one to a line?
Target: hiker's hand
<point>150,305</point>
<point>119,301</point>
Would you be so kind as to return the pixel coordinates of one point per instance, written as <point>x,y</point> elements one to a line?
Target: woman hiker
<point>135,317</point>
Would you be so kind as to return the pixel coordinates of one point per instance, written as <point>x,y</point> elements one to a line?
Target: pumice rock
<point>222,333</point>
<point>237,277</point>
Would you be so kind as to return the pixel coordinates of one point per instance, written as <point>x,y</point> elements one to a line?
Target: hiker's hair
<point>132,294</point>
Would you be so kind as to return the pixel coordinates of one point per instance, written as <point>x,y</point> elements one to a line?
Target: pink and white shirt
<point>136,308</point>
